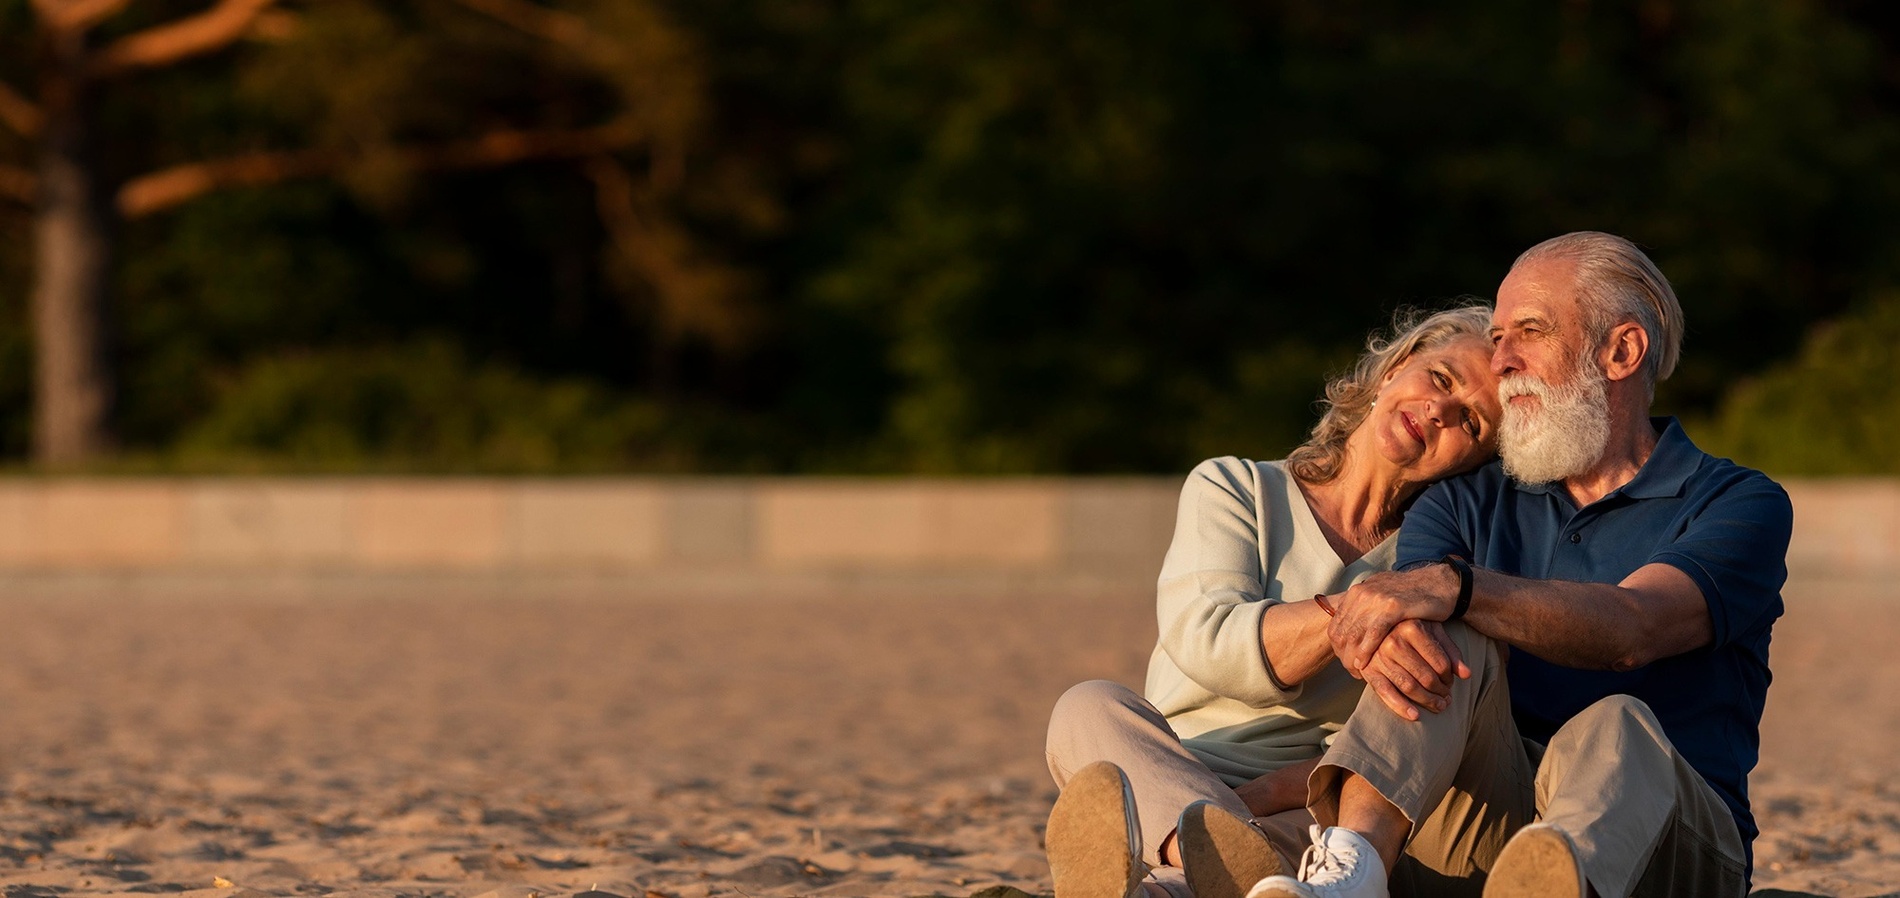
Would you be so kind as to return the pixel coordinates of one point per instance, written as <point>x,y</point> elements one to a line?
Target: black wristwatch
<point>1463,568</point>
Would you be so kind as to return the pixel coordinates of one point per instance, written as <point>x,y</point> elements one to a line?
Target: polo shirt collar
<point>1669,466</point>
<point>1674,460</point>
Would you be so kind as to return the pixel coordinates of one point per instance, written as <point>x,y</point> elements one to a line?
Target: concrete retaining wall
<point>695,536</point>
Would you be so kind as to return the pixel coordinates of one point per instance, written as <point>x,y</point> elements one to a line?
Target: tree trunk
<point>73,227</point>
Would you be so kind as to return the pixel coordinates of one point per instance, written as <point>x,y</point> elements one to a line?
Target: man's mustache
<point>1512,386</point>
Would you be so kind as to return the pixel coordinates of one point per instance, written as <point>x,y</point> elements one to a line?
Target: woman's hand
<point>1413,668</point>
<point>1373,607</point>
<point>1281,790</point>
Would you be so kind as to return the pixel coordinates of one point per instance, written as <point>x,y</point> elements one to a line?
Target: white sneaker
<point>1339,864</point>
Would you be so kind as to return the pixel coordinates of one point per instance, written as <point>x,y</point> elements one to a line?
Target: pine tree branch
<point>19,113</point>
<point>18,184</point>
<point>538,21</point>
<point>207,32</point>
<point>169,187</point>
<point>161,190</point>
<point>616,201</point>
<point>80,15</point>
<point>691,296</point>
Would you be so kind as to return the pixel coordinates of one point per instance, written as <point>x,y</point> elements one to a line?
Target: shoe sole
<point>1094,839</point>
<point>1289,890</point>
<point>1223,855</point>
<point>1538,862</point>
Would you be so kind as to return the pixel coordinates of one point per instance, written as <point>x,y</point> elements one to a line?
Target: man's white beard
<point>1567,431</point>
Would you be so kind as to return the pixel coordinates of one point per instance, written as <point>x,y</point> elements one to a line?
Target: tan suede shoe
<point>1538,862</point>
<point>1222,855</point>
<point>1094,837</point>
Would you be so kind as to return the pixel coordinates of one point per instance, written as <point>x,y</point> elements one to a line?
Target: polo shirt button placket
<point>1575,537</point>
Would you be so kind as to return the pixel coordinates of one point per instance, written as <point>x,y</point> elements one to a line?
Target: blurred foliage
<point>1833,409</point>
<point>867,235</point>
<point>420,406</point>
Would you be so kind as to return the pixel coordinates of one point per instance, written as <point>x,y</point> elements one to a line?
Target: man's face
<point>1556,408</point>
<point>1537,327</point>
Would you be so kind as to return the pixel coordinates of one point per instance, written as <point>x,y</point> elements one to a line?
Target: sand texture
<point>435,746</point>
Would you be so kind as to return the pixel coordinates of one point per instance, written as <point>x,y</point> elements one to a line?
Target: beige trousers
<point>1643,820</point>
<point>1104,721</point>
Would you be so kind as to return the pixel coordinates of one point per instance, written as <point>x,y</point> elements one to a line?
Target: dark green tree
<point>851,235</point>
<point>1832,410</point>
<point>1119,235</point>
<point>374,95</point>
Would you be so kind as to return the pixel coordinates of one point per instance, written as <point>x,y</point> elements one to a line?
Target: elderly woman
<point>1243,690</point>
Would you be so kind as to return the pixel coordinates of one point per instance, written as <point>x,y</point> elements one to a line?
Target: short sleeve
<point>1431,529</point>
<point>1735,548</point>
<point>1212,593</point>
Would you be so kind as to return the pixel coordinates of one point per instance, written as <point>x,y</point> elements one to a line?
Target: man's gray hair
<point>1616,282</point>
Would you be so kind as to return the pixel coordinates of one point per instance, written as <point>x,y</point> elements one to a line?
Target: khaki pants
<point>1104,721</point>
<point>1644,822</point>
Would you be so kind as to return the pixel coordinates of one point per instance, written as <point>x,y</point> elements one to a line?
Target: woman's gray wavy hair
<point>1349,397</point>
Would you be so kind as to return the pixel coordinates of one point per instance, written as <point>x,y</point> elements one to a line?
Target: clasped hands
<point>1388,630</point>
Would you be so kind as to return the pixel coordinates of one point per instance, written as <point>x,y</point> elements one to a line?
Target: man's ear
<point>1623,353</point>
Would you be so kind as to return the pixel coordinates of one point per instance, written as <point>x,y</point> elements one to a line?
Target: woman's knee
<point>1087,709</point>
<point>1089,700</point>
<point>1082,717</point>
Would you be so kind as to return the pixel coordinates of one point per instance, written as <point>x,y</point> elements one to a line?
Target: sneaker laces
<point>1321,864</point>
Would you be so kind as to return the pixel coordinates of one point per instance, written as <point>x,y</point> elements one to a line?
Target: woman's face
<point>1437,413</point>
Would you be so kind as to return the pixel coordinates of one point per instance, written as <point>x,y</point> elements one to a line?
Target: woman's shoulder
<point>1231,466</point>
<point>1239,476</point>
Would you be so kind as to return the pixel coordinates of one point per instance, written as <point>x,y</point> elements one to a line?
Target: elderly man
<point>1629,580</point>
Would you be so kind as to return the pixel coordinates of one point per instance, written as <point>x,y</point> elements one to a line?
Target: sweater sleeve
<point>1212,590</point>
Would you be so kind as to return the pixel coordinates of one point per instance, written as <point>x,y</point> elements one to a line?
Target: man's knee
<point>1615,729</point>
<point>1618,712</point>
<point>1620,706</point>
<point>1479,652</point>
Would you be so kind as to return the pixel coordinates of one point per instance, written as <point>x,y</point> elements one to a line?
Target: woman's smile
<point>1411,427</point>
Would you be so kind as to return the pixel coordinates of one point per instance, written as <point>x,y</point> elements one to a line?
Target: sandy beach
<point>440,745</point>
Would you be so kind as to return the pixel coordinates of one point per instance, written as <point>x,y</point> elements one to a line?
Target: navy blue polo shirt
<point>1724,525</point>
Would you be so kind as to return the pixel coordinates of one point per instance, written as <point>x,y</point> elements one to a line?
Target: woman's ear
<point>1394,370</point>
<point>1623,353</point>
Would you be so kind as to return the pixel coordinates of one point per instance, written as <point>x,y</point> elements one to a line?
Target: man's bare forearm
<point>1584,625</point>
<point>1654,613</point>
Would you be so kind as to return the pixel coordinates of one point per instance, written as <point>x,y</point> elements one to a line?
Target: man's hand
<point>1368,611</point>
<point>1414,667</point>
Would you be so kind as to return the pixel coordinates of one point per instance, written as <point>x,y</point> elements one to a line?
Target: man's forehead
<point>1542,290</point>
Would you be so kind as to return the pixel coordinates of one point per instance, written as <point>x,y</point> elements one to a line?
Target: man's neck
<point>1632,440</point>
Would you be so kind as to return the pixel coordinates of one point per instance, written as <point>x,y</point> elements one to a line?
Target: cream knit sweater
<point>1244,538</point>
